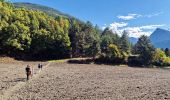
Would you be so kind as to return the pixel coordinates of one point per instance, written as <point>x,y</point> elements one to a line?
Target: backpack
<point>39,66</point>
<point>28,69</point>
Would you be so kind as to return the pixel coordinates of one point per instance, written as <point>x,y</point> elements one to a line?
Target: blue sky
<point>135,16</point>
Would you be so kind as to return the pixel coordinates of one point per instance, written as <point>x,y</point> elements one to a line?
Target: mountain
<point>50,11</point>
<point>133,40</point>
<point>161,38</point>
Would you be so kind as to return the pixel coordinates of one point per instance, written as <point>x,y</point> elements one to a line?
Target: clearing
<point>62,81</point>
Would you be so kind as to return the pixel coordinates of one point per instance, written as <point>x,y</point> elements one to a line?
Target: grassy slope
<point>166,67</point>
<point>48,10</point>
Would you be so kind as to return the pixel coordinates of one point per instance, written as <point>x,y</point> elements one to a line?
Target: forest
<point>36,35</point>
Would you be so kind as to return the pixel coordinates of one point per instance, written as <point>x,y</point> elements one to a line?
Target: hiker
<point>28,71</point>
<point>39,66</point>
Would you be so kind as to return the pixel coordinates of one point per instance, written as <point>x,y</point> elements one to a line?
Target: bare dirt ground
<point>85,82</point>
<point>12,76</point>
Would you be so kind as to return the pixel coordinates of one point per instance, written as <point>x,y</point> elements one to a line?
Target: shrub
<point>114,56</point>
<point>160,58</point>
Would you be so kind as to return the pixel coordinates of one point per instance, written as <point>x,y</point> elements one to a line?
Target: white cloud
<point>135,16</point>
<point>134,31</point>
<point>150,27</point>
<point>129,16</point>
<point>116,25</point>
<point>119,27</point>
<point>142,30</point>
<point>137,32</point>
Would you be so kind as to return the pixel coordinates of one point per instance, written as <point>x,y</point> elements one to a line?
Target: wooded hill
<point>38,34</point>
<point>48,10</point>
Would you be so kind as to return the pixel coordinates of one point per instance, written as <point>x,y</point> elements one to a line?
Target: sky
<point>137,17</point>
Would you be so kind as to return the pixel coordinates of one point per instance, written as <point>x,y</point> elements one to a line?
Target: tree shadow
<point>20,80</point>
<point>91,61</point>
<point>133,64</point>
<point>87,61</point>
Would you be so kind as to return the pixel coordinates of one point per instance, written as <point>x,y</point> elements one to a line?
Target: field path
<point>19,85</point>
<point>96,82</point>
<point>63,81</point>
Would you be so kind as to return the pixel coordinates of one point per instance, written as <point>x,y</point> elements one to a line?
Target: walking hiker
<point>28,71</point>
<point>39,66</point>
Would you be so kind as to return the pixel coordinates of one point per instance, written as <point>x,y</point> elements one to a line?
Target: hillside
<point>161,38</point>
<point>50,11</point>
<point>34,34</point>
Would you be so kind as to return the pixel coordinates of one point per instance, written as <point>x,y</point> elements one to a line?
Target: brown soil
<point>85,82</point>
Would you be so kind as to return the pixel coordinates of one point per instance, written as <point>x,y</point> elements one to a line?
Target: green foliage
<point>105,42</point>
<point>32,32</point>
<point>28,32</point>
<point>159,55</point>
<point>114,55</point>
<point>17,36</point>
<point>145,50</point>
<point>85,39</point>
<point>114,52</point>
<point>125,43</point>
<point>167,52</point>
<point>47,10</point>
<point>107,38</point>
<point>2,0</point>
<point>166,61</point>
<point>160,58</point>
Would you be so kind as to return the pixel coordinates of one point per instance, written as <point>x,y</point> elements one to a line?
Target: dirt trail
<point>96,82</point>
<point>7,93</point>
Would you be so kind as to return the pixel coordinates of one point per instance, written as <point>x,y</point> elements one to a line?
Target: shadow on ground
<point>17,80</point>
<point>90,61</point>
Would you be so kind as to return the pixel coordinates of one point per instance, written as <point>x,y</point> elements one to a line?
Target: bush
<point>114,56</point>
<point>160,58</point>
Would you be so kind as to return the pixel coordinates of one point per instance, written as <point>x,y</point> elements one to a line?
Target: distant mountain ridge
<point>160,35</point>
<point>50,11</point>
<point>160,38</point>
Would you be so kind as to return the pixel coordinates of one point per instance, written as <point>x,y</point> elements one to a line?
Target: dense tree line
<point>32,32</point>
<point>114,48</point>
<point>28,33</point>
<point>149,55</point>
<point>85,39</point>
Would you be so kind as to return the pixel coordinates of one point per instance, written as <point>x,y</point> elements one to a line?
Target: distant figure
<point>28,71</point>
<point>39,66</point>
